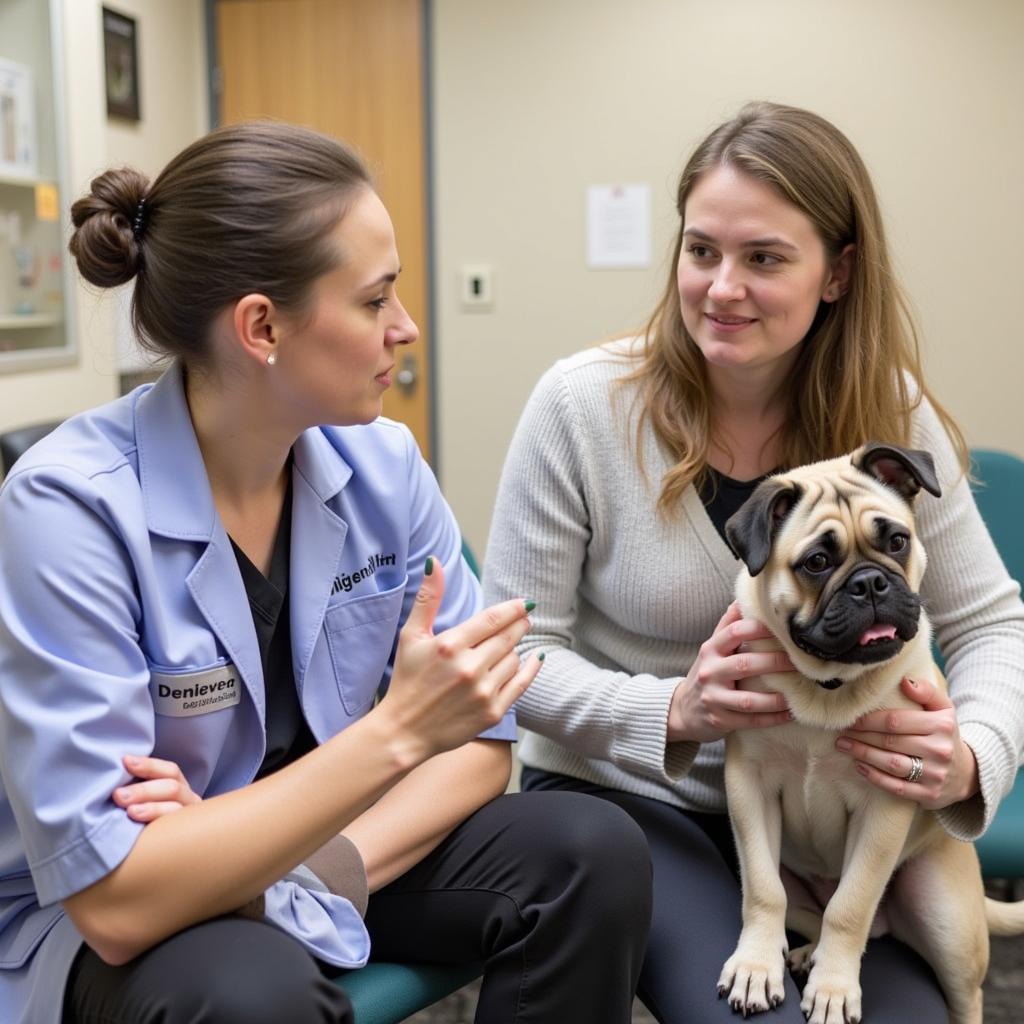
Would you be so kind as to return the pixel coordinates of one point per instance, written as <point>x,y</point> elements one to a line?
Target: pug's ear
<point>751,530</point>
<point>903,469</point>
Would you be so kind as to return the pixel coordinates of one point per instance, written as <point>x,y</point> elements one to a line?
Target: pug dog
<point>832,567</point>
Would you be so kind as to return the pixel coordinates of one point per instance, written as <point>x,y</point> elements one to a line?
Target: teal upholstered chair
<point>388,993</point>
<point>1000,497</point>
<point>999,492</point>
<point>467,554</point>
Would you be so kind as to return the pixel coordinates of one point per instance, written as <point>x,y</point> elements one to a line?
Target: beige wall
<point>175,110</point>
<point>535,100</point>
<point>172,59</point>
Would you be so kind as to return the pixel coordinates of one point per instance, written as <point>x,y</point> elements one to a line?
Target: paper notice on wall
<point>618,226</point>
<point>17,120</point>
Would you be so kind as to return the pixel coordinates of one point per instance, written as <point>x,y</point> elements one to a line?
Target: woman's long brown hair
<point>858,374</point>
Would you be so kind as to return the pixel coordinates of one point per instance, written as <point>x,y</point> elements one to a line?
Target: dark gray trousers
<point>550,892</point>
<point>229,970</point>
<point>697,919</point>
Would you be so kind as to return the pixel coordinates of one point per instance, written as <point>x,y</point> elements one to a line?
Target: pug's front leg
<point>753,975</point>
<point>874,841</point>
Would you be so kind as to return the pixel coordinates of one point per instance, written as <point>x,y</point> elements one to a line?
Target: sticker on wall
<point>46,202</point>
<point>618,226</point>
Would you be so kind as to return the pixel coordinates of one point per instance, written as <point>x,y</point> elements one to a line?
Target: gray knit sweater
<point>626,597</point>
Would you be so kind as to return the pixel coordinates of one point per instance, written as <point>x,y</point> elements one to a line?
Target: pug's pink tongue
<point>879,632</point>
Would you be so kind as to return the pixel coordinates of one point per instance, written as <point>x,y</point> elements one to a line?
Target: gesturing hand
<point>915,754</point>
<point>707,703</point>
<point>163,790</point>
<point>445,689</point>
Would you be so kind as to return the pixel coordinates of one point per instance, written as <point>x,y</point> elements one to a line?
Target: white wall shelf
<point>36,327</point>
<point>26,182</point>
<point>29,321</point>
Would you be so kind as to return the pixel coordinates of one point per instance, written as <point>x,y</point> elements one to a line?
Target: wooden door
<point>352,69</point>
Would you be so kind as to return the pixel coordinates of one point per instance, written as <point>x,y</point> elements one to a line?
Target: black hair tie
<point>139,220</point>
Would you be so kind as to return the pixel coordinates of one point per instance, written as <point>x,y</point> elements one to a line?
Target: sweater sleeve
<point>538,548</point>
<point>976,610</point>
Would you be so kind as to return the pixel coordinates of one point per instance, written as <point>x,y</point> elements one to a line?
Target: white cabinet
<point>36,327</point>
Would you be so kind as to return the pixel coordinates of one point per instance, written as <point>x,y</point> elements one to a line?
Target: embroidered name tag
<point>195,693</point>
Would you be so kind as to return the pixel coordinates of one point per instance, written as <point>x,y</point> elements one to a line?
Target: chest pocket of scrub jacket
<point>360,636</point>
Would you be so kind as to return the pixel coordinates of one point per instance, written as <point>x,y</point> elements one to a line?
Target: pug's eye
<point>898,542</point>
<point>818,562</point>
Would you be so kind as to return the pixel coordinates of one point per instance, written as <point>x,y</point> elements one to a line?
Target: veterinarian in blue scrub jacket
<point>202,593</point>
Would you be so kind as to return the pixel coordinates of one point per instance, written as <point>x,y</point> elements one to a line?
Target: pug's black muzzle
<point>870,596</point>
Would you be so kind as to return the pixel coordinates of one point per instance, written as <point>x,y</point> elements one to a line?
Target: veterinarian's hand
<point>163,789</point>
<point>883,743</point>
<point>449,686</point>
<point>707,704</point>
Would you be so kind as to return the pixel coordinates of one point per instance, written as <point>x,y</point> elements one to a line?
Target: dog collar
<point>830,684</point>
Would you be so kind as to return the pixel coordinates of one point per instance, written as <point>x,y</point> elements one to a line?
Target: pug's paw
<point>752,977</point>
<point>801,959</point>
<point>831,996</point>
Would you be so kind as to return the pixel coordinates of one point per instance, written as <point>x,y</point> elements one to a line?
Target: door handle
<point>407,377</point>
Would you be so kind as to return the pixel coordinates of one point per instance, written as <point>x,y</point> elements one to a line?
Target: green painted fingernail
<point>530,605</point>
<point>428,565</point>
<point>541,657</point>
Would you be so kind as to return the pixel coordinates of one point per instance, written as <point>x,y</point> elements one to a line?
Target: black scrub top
<point>288,735</point>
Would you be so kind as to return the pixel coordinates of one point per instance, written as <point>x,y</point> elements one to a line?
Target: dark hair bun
<point>103,244</point>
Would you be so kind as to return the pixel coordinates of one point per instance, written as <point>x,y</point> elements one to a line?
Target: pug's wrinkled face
<point>834,559</point>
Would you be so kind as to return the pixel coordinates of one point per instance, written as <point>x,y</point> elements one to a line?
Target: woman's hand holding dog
<point>884,744</point>
<point>707,703</point>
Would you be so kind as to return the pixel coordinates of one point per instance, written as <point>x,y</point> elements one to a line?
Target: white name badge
<point>195,693</point>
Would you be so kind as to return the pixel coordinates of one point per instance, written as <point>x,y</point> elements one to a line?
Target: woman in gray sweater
<point>782,338</point>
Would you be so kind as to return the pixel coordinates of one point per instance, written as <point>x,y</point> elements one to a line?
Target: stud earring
<point>272,359</point>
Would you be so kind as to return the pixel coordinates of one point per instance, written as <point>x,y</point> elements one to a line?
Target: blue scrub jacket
<point>117,578</point>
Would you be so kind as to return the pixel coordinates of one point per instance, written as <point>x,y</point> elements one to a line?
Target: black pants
<point>697,920</point>
<point>550,891</point>
<point>230,970</point>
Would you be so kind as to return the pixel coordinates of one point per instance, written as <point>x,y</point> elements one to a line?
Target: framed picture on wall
<point>121,65</point>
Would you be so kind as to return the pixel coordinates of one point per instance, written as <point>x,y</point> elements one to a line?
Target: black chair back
<point>15,443</point>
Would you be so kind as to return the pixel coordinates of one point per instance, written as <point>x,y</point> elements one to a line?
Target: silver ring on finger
<point>916,769</point>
